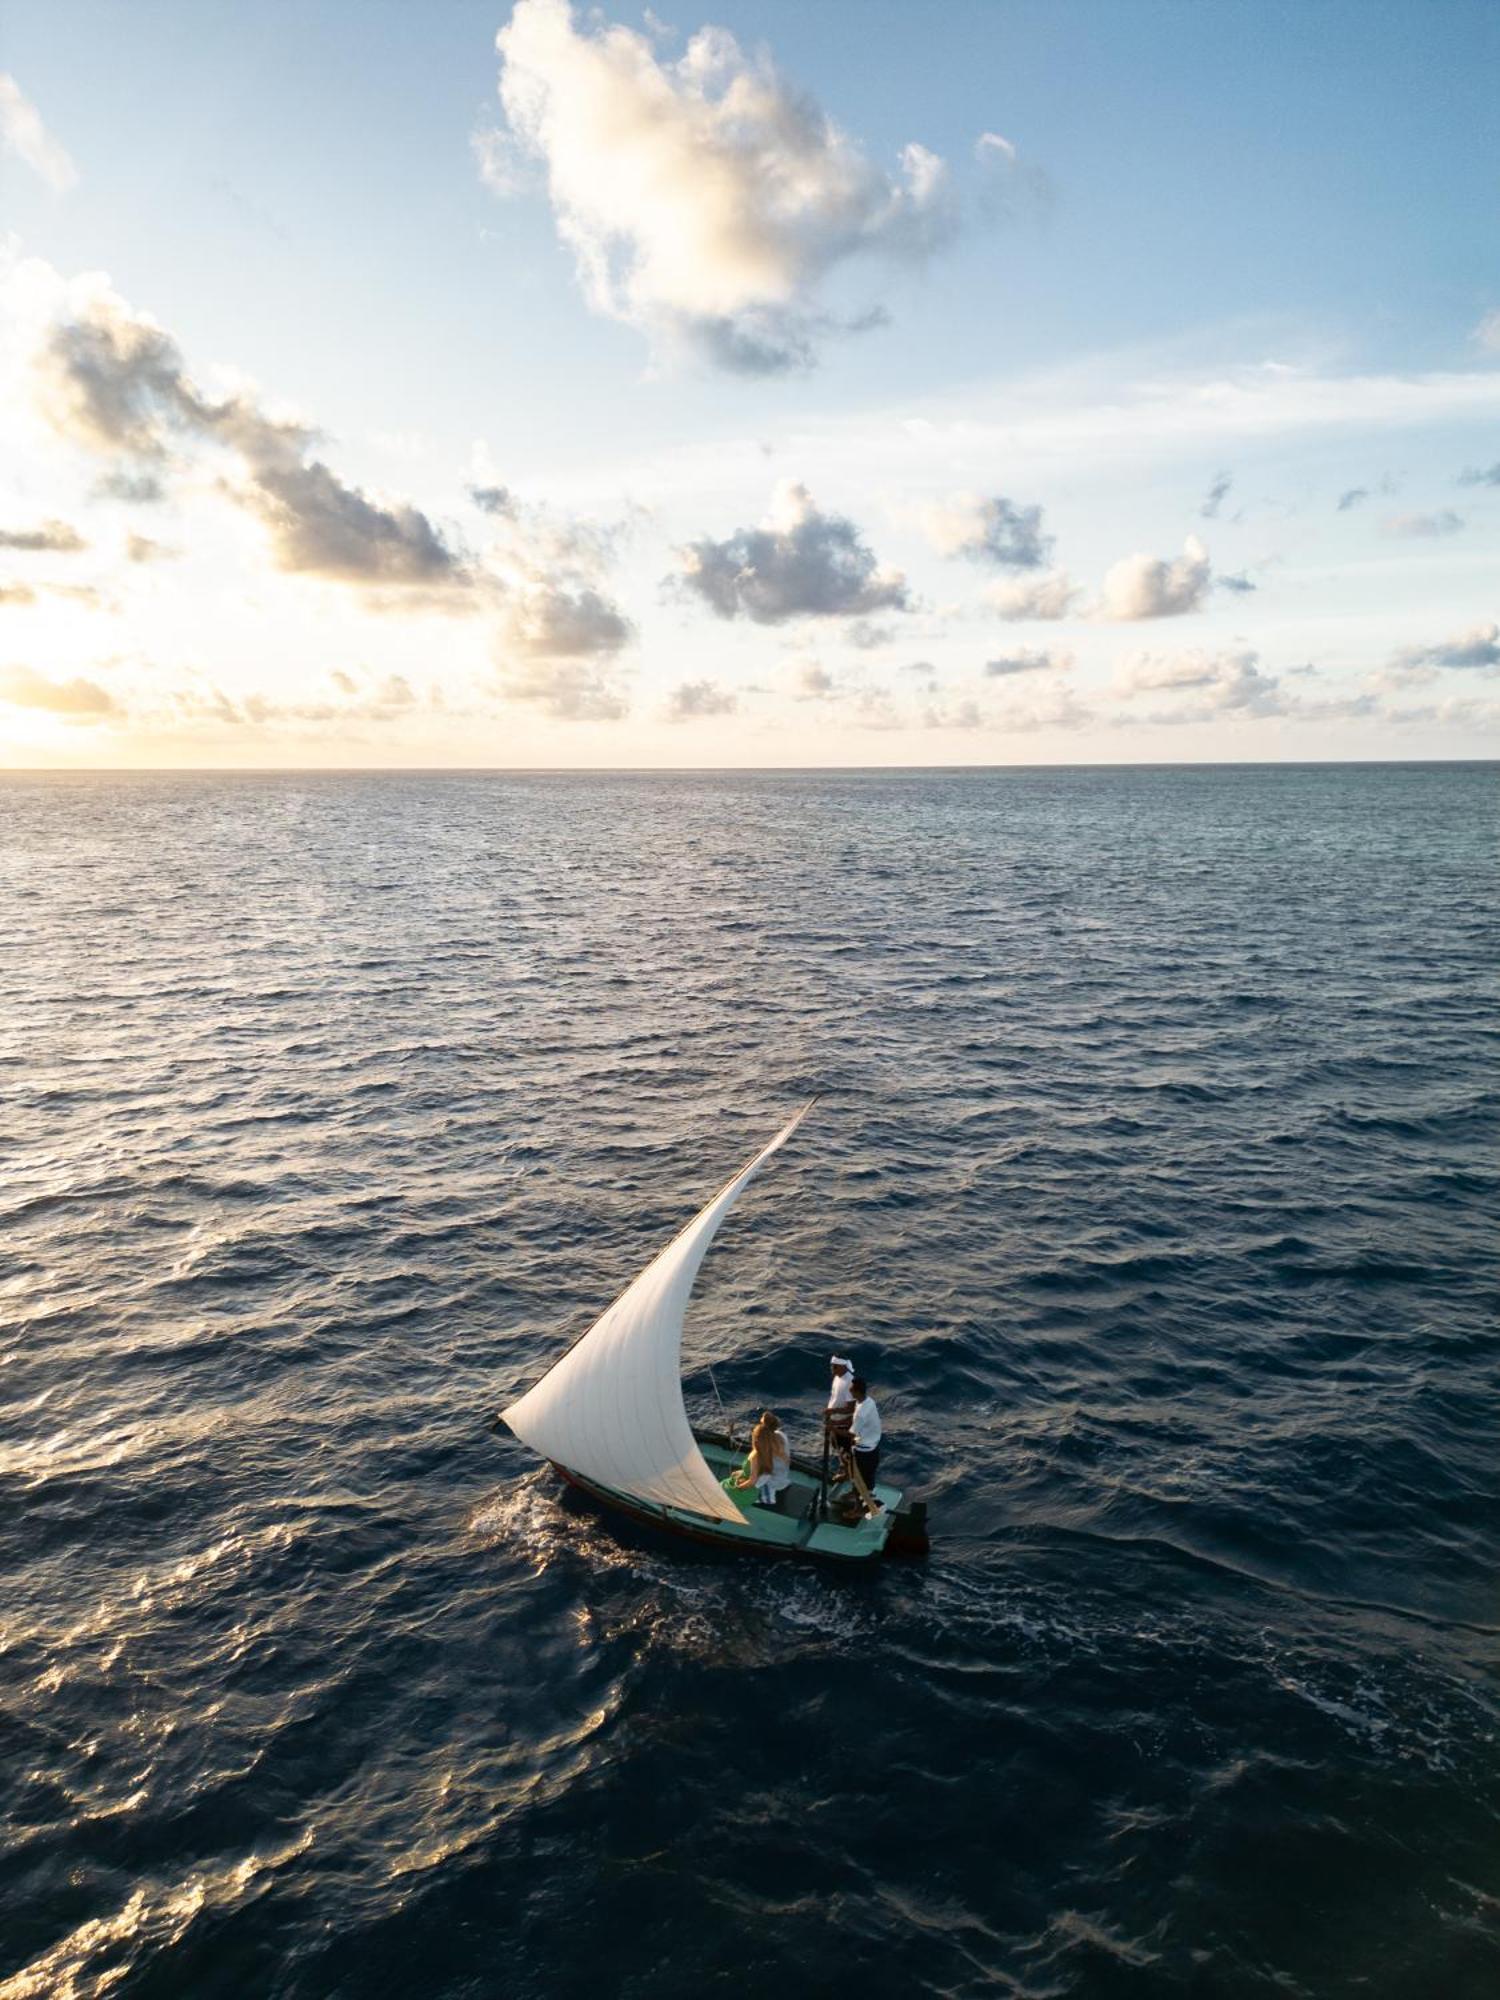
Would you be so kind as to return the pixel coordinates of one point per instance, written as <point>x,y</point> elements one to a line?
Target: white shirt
<point>866,1428</point>
<point>840,1395</point>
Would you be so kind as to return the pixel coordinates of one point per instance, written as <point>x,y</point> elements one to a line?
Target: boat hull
<point>795,1532</point>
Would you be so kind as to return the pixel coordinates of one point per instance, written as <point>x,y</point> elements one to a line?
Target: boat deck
<point>788,1528</point>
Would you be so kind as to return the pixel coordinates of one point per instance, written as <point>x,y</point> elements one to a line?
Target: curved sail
<point>612,1407</point>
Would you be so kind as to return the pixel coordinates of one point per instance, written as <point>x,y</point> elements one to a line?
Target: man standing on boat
<point>864,1433</point>
<point>840,1390</point>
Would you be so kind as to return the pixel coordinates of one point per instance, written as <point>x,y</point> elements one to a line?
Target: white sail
<point>612,1407</point>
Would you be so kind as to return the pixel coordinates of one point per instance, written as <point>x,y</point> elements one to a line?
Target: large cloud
<point>798,563</point>
<point>1480,475</point>
<point>1141,586</point>
<point>76,700</point>
<point>23,133</point>
<point>994,530</point>
<point>114,382</point>
<point>703,199</point>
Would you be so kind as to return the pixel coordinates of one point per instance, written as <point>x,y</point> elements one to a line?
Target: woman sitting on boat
<point>769,1465</point>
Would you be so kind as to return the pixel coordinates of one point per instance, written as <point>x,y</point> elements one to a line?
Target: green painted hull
<point>793,1528</point>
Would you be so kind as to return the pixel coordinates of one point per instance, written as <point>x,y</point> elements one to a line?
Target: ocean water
<point>1153,1186</point>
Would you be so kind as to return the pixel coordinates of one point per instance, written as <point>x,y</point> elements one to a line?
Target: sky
<point>865,384</point>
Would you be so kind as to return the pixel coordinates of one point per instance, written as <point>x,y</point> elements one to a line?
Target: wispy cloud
<point>567,690</point>
<point>23,134</point>
<point>1215,497</point>
<point>1422,527</point>
<point>1049,597</point>
<point>50,537</point>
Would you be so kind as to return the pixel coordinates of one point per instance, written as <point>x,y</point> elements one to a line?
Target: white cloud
<point>1142,586</point>
<point>1216,495</point>
<point>1487,333</point>
<point>1217,683</point>
<point>704,199</point>
<point>993,530</point>
<point>813,682</point>
<point>1049,708</point>
<point>691,701</point>
<point>545,575</point>
<point>196,704</point>
<point>1423,527</point>
<point>1051,596</point>
<point>23,133</point>
<point>991,146</point>
<point>1461,712</point>
<point>1478,647</point>
<point>1028,661</point>
<point>142,549</point>
<point>569,690</point>
<point>51,537</point>
<point>799,563</point>
<point>112,381</point>
<point>76,700</point>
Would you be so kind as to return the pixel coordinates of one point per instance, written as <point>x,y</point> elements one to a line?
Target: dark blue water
<point>1153,1186</point>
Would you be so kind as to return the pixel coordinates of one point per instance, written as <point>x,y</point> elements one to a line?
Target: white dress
<point>779,1478</point>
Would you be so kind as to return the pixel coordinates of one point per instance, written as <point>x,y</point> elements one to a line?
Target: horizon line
<point>712,770</point>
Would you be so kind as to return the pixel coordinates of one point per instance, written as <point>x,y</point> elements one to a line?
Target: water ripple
<point>1154,1183</point>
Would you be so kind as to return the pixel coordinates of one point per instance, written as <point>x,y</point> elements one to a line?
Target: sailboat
<point>609,1416</point>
